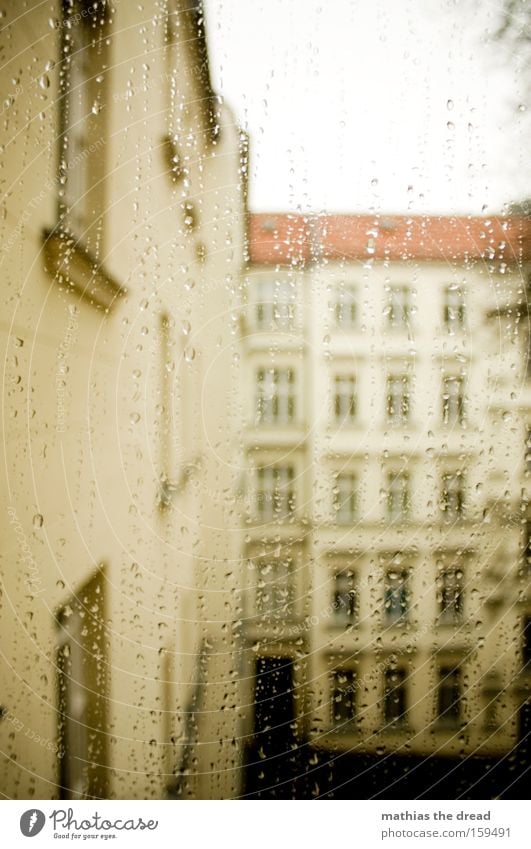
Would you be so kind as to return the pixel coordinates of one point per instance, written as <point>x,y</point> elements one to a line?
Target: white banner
<point>253,825</point>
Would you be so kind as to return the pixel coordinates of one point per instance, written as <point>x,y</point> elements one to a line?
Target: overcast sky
<point>390,105</point>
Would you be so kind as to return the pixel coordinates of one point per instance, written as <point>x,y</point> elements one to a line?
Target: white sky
<point>348,103</point>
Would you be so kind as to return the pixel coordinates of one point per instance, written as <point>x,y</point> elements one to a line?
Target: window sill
<point>457,623</point>
<point>447,727</point>
<point>396,728</point>
<point>343,626</point>
<point>348,727</point>
<point>75,269</point>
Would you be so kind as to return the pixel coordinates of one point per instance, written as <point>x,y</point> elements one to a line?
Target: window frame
<point>345,399</point>
<point>349,687</point>
<point>342,515</point>
<point>399,308</point>
<point>402,591</point>
<point>345,585</point>
<point>393,717</point>
<point>454,314</point>
<point>345,307</point>
<point>398,404</point>
<point>453,501</point>
<point>449,685</point>
<point>278,492</point>
<point>275,305</point>
<point>453,404</point>
<point>280,405</point>
<point>403,491</point>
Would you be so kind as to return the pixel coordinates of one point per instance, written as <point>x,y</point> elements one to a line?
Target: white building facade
<point>122,246</point>
<point>387,598</point>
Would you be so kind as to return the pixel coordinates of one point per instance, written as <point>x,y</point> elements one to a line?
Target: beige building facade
<point>121,252</point>
<point>387,600</point>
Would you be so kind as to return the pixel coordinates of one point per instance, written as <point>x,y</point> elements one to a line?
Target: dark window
<point>395,696</point>
<point>527,543</point>
<point>396,600</point>
<point>343,696</point>
<point>450,596</point>
<point>345,598</point>
<point>526,641</point>
<point>449,695</point>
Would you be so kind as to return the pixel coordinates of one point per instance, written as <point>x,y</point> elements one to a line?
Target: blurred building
<point>121,253</point>
<point>387,607</point>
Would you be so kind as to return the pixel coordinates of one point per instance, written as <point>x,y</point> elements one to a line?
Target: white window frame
<point>275,591</point>
<point>453,496</point>
<point>454,309</point>
<point>345,497</point>
<point>398,495</point>
<point>345,398</point>
<point>399,307</point>
<point>346,306</point>
<point>453,400</point>
<point>275,395</point>
<point>275,305</point>
<point>398,399</point>
<point>275,492</point>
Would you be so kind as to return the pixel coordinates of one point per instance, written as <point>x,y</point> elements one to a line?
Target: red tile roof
<point>292,239</point>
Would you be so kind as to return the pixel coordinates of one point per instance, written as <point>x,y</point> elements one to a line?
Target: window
<point>345,497</point>
<point>275,306</point>
<point>396,599</point>
<point>81,144</point>
<point>395,696</point>
<point>345,598</point>
<point>274,589</point>
<point>528,451</point>
<point>346,307</point>
<point>82,689</point>
<point>527,543</point>
<point>449,695</point>
<point>453,401</point>
<point>275,495</point>
<point>344,398</point>
<point>526,641</point>
<point>452,496</point>
<point>453,309</point>
<point>275,399</point>
<point>450,596</point>
<point>343,696</point>
<point>397,399</point>
<point>397,495</point>
<point>398,307</point>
